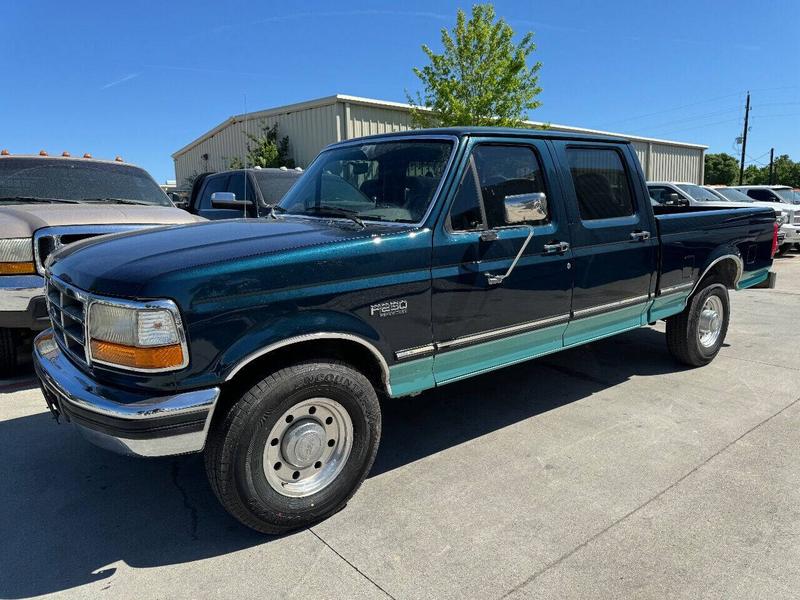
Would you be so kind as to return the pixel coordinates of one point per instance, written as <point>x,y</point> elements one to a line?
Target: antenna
<point>244,200</point>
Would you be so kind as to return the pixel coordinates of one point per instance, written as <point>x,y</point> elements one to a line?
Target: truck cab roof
<point>487,132</point>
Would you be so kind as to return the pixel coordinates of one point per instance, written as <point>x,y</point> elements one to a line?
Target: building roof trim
<point>328,100</point>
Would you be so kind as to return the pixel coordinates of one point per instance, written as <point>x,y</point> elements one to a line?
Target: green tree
<point>265,150</point>
<point>482,76</point>
<point>786,172</point>
<point>721,169</point>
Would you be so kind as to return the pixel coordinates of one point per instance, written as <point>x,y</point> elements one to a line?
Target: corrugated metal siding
<point>309,131</point>
<point>373,120</point>
<point>641,152</point>
<point>674,163</point>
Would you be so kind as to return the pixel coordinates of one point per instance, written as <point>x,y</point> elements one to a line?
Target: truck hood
<point>22,220</point>
<point>142,263</point>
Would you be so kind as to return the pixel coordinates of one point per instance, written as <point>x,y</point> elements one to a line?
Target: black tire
<point>237,441</point>
<point>683,339</point>
<point>783,249</point>
<point>8,353</point>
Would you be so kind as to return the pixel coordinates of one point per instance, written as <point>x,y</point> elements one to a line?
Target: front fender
<point>304,326</point>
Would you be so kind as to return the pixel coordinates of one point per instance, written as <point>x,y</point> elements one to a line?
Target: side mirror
<point>524,208</point>
<point>674,199</point>
<point>227,200</point>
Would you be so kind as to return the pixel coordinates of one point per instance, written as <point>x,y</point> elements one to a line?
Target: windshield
<point>734,195</point>
<point>379,181</point>
<point>700,194</point>
<point>76,180</point>
<point>785,194</point>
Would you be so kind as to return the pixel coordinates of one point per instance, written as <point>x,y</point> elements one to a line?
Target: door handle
<point>556,248</point>
<point>640,236</point>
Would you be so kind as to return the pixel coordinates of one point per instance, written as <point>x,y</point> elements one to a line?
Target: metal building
<point>313,125</point>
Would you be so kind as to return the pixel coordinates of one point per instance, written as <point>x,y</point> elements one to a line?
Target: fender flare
<point>308,337</point>
<point>729,256</point>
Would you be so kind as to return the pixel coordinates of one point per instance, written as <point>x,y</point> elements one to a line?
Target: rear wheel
<point>295,447</point>
<point>8,352</point>
<point>783,249</point>
<point>695,336</point>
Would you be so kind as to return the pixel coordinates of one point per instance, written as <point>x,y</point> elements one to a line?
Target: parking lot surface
<point>604,471</point>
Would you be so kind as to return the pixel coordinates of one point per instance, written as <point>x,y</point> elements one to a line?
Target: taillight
<point>775,228</point>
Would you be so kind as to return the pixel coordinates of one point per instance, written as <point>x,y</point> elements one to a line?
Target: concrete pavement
<point>604,471</point>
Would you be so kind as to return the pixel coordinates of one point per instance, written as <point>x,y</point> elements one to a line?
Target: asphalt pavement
<point>606,471</point>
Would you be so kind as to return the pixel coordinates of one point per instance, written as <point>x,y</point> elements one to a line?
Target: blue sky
<point>141,79</point>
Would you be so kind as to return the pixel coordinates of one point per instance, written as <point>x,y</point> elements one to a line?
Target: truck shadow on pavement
<point>72,513</point>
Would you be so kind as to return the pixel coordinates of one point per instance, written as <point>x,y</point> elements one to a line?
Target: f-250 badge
<point>392,308</point>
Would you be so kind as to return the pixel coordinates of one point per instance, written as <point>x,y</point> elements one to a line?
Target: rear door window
<point>762,195</point>
<point>602,186</point>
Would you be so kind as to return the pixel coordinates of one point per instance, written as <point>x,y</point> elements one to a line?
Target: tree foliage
<point>481,77</point>
<point>721,169</point>
<point>724,169</point>
<point>265,150</point>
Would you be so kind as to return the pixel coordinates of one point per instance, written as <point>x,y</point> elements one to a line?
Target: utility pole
<point>744,138</point>
<point>771,164</point>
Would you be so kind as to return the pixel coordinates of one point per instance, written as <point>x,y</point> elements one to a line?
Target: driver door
<point>479,323</point>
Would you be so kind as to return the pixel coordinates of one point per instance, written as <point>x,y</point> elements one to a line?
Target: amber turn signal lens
<point>160,357</point>
<point>17,268</point>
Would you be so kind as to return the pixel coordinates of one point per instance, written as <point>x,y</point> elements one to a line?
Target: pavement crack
<point>359,571</point>
<point>191,508</point>
<point>632,512</point>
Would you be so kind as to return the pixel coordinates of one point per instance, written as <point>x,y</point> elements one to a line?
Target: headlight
<point>781,217</point>
<point>16,257</point>
<point>146,338</point>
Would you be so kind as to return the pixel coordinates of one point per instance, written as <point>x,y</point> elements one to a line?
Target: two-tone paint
<point>247,289</point>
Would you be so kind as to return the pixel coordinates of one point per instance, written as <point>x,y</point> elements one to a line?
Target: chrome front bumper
<point>140,425</point>
<point>791,234</point>
<point>17,306</point>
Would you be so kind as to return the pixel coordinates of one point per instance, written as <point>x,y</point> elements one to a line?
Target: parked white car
<point>677,193</point>
<point>781,199</point>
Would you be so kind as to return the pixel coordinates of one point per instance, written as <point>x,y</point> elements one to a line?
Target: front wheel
<point>695,336</point>
<point>295,447</point>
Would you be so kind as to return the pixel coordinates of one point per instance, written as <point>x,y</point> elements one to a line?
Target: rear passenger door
<point>613,235</point>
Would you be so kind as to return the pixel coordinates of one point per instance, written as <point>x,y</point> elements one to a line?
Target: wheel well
<point>353,353</point>
<point>725,271</point>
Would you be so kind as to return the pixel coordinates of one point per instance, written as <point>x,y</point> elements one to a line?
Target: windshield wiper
<point>39,199</point>
<point>274,207</point>
<point>335,211</point>
<point>121,201</point>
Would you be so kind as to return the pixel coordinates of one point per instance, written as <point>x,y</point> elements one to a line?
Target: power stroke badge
<point>391,308</point>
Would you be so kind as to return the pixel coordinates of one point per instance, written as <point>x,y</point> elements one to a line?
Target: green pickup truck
<point>394,265</point>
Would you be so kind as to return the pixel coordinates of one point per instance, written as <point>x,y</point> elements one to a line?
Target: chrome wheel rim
<point>710,325</point>
<point>308,447</point>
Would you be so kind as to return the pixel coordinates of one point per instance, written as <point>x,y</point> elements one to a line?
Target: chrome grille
<point>796,219</point>
<point>49,239</point>
<point>67,309</point>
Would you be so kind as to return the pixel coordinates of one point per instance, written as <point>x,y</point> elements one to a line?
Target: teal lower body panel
<point>411,377</point>
<point>587,329</point>
<point>753,278</point>
<point>418,375</point>
<point>667,305</point>
<point>487,356</point>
